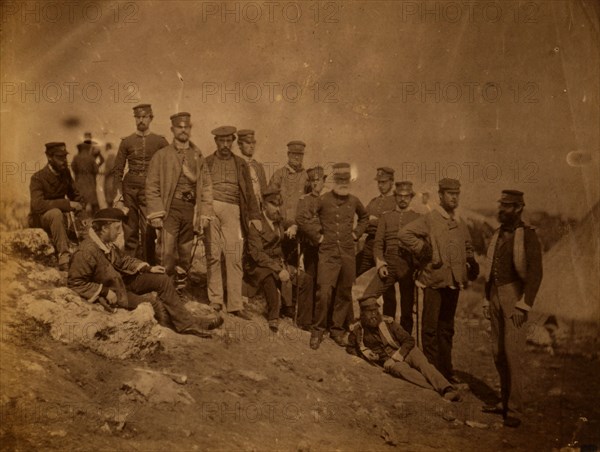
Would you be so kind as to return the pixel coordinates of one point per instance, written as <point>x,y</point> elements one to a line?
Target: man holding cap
<point>53,194</point>
<point>267,266</point>
<point>387,344</point>
<point>379,205</point>
<point>100,273</point>
<point>136,150</point>
<point>336,236</point>
<point>513,273</point>
<point>441,243</point>
<point>179,196</point>
<point>247,145</point>
<point>395,264</point>
<point>236,208</point>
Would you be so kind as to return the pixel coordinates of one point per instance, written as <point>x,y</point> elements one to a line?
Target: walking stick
<point>72,218</point>
<point>297,281</point>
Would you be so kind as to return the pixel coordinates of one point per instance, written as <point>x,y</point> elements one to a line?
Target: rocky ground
<point>74,377</point>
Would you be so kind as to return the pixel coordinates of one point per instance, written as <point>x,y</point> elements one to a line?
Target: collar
<point>389,193</point>
<point>399,210</point>
<point>270,222</point>
<point>52,170</point>
<point>94,237</point>
<point>142,134</point>
<point>445,214</point>
<point>247,159</point>
<point>220,157</point>
<point>287,165</point>
<point>185,147</point>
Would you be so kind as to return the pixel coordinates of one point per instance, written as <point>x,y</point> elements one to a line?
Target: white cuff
<point>522,305</point>
<point>96,294</point>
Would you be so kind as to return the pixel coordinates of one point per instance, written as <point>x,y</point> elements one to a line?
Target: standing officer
<point>247,145</point>
<point>513,274</point>
<point>441,242</point>
<point>394,263</point>
<point>235,208</point>
<point>337,258</point>
<point>379,205</point>
<point>53,195</point>
<point>307,218</point>
<point>137,150</point>
<point>179,195</point>
<point>85,169</point>
<point>267,266</point>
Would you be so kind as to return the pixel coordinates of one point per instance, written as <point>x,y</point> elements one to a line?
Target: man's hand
<point>284,275</point>
<point>383,272</point>
<point>257,224</point>
<point>75,205</point>
<point>204,222</point>
<point>519,317</point>
<point>486,312</point>
<point>397,356</point>
<point>156,223</point>
<point>111,297</point>
<point>158,269</point>
<point>292,231</point>
<point>370,355</point>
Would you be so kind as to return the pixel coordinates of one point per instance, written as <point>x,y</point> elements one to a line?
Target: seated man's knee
<point>53,215</point>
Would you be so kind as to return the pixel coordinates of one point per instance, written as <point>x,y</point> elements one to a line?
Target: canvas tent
<point>570,289</point>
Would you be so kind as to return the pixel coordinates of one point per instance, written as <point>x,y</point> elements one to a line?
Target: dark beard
<point>370,321</point>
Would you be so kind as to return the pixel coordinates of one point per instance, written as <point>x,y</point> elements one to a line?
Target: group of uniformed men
<point>297,245</point>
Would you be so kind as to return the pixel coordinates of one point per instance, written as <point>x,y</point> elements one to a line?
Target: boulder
<point>28,243</point>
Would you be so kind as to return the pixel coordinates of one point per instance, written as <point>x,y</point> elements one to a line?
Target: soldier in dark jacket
<point>136,150</point>
<point>85,170</point>
<point>100,273</point>
<point>387,344</point>
<point>307,219</point>
<point>394,263</point>
<point>247,145</point>
<point>53,195</point>
<point>267,267</point>
<point>337,238</point>
<point>235,208</point>
<point>513,273</point>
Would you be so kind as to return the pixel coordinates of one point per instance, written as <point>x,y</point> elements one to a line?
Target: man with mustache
<point>179,196</point>
<point>268,269</point>
<point>387,344</point>
<point>101,273</point>
<point>136,150</point>
<point>53,196</point>
<point>337,237</point>
<point>235,208</point>
<point>441,242</point>
<point>385,202</point>
<point>395,264</point>
<point>513,273</point>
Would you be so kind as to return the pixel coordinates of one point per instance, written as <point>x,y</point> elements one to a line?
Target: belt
<point>136,173</point>
<point>185,197</point>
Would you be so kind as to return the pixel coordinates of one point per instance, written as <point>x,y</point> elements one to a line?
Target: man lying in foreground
<point>99,272</point>
<point>384,342</point>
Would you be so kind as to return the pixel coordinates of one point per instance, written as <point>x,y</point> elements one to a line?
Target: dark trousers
<point>400,271</point>
<point>302,291</point>
<point>134,198</point>
<point>364,262</point>
<point>143,283</point>
<point>177,236</point>
<point>311,267</point>
<point>439,308</point>
<point>336,271</point>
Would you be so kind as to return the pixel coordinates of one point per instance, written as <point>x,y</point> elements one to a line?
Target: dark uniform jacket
<point>336,221</point>
<point>85,168</point>
<point>386,239</point>
<point>48,190</point>
<point>95,265</point>
<point>374,340</point>
<point>377,207</point>
<point>503,270</point>
<point>136,150</point>
<point>249,209</point>
<point>265,254</point>
<point>307,218</point>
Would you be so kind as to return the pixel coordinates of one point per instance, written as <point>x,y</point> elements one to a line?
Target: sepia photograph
<point>311,225</point>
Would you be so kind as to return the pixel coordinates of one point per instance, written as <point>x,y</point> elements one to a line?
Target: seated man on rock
<point>53,196</point>
<point>385,342</point>
<point>99,272</point>
<point>266,267</point>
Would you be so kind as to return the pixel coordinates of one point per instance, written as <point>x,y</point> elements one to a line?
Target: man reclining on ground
<point>99,272</point>
<point>385,342</point>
